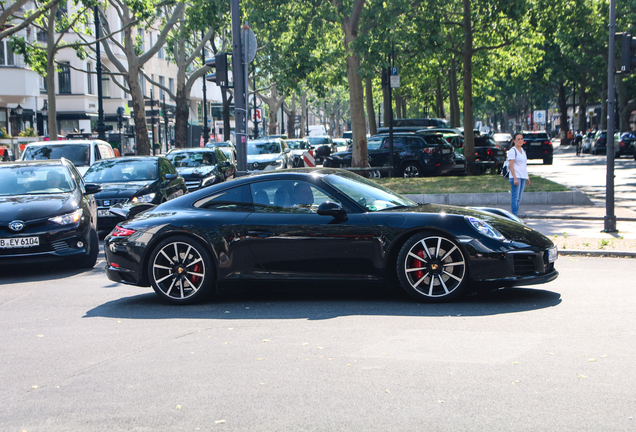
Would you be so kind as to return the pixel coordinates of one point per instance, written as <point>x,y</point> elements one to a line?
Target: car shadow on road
<point>319,304</point>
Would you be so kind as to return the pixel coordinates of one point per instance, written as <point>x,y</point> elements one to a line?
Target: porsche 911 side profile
<point>321,224</point>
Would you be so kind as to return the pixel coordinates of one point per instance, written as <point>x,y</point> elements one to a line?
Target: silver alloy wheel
<point>178,270</point>
<point>375,174</point>
<point>434,267</point>
<point>411,171</point>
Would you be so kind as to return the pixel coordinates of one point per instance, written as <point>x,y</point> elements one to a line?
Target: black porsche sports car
<point>321,224</point>
<point>147,179</point>
<point>47,213</point>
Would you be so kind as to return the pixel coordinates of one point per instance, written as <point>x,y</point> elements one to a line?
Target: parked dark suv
<point>413,155</point>
<point>538,145</point>
<point>486,150</point>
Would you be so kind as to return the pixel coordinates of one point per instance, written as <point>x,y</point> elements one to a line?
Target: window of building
<point>41,36</point>
<point>64,78</point>
<point>142,40</point>
<point>6,53</point>
<point>171,85</point>
<point>160,53</point>
<point>142,83</point>
<point>89,78</point>
<point>105,86</point>
<point>162,81</point>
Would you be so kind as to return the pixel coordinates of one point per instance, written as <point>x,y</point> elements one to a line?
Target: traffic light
<point>219,62</point>
<point>628,57</point>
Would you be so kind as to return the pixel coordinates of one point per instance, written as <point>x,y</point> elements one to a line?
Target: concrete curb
<point>595,218</point>
<point>503,198</point>
<point>598,253</point>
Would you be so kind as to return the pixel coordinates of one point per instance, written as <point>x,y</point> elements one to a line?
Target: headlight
<point>485,228</point>
<point>143,198</point>
<point>277,163</point>
<point>68,218</point>
<point>208,180</point>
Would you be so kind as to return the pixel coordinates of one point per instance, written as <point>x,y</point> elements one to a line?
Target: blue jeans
<point>515,194</point>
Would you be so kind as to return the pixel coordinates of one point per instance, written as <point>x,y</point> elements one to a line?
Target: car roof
<point>131,158</point>
<point>67,142</point>
<point>45,162</point>
<point>194,149</point>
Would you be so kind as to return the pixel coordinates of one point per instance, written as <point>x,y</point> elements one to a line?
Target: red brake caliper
<point>418,263</point>
<point>197,269</point>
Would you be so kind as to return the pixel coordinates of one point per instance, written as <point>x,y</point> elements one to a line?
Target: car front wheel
<point>412,169</point>
<point>432,268</point>
<point>181,270</point>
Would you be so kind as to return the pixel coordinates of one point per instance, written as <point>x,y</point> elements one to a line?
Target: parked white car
<point>268,155</point>
<point>83,153</point>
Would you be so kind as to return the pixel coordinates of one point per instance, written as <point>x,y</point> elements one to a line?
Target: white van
<point>83,153</point>
<point>317,130</point>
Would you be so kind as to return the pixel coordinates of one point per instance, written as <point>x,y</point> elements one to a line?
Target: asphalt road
<point>588,173</point>
<point>82,353</point>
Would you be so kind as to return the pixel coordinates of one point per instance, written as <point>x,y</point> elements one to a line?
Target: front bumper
<point>54,246</point>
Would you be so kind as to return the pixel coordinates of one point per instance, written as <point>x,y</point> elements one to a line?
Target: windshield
<point>118,171</point>
<point>76,153</point>
<point>263,147</point>
<point>192,159</point>
<point>31,180</point>
<point>297,145</point>
<point>484,142</point>
<point>367,193</point>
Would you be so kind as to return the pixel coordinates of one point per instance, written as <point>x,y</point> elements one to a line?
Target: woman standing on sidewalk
<point>518,165</point>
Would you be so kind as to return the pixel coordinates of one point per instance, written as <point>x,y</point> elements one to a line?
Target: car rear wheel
<point>181,271</point>
<point>411,169</point>
<point>547,161</point>
<point>432,268</point>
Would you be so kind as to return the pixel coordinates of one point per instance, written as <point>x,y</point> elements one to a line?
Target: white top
<point>520,160</point>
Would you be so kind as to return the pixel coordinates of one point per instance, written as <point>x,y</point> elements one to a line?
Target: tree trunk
<point>182,115</point>
<point>625,108</point>
<point>370,108</point>
<point>582,106</point>
<point>291,119</point>
<point>469,135</point>
<point>398,106</point>
<point>359,157</point>
<point>303,115</point>
<point>50,73</point>
<point>563,111</point>
<point>139,110</point>
<point>452,94</point>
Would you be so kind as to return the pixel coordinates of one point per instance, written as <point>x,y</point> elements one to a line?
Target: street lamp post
<point>18,113</point>
<point>152,116</point>
<point>206,129</point>
<point>45,114</point>
<point>165,121</point>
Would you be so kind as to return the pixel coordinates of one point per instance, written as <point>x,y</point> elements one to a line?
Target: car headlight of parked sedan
<point>68,218</point>
<point>208,181</point>
<point>143,198</point>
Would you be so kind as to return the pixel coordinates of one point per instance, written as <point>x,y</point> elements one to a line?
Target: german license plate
<point>445,151</point>
<point>535,144</point>
<point>104,213</point>
<point>459,165</point>
<point>19,242</point>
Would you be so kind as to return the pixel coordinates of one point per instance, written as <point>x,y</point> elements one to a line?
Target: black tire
<point>411,169</point>
<point>88,261</point>
<point>181,271</point>
<point>547,161</point>
<point>444,268</point>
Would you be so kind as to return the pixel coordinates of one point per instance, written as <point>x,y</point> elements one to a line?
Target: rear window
<point>484,142</point>
<point>318,140</point>
<point>79,154</point>
<point>536,136</point>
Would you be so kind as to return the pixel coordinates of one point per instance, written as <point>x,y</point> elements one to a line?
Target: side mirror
<point>171,176</point>
<point>92,188</point>
<point>332,209</point>
<point>287,150</point>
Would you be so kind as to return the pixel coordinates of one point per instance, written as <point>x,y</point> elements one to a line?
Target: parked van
<point>317,130</point>
<point>83,153</point>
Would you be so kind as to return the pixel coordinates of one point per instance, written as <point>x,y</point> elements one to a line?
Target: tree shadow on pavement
<point>319,304</point>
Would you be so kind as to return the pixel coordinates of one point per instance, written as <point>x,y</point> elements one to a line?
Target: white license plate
<point>459,165</point>
<point>536,144</point>
<point>19,242</point>
<point>445,151</point>
<point>104,213</point>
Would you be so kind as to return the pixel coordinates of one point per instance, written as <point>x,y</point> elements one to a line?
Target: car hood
<point>510,229</point>
<point>33,207</point>
<point>122,190</point>
<point>196,172</point>
<point>264,157</point>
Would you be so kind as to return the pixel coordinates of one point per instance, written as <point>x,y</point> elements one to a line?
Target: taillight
<point>489,152</point>
<point>430,150</point>
<point>621,143</point>
<point>547,142</point>
<point>525,142</point>
<point>121,232</point>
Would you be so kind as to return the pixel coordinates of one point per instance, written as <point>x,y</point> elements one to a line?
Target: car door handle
<point>260,233</point>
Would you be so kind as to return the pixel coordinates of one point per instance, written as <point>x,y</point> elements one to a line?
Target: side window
<point>415,143</point>
<point>106,151</point>
<point>168,167</point>
<point>220,155</point>
<point>287,196</point>
<point>237,199</point>
<point>98,155</point>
